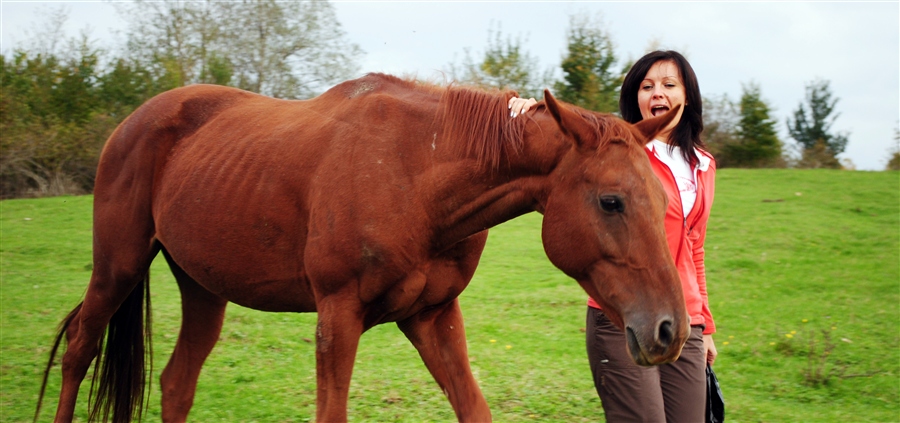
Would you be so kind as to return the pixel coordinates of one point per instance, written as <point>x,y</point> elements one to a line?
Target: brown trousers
<point>674,392</point>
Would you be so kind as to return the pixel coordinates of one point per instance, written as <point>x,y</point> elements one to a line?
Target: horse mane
<point>477,122</point>
<point>473,121</point>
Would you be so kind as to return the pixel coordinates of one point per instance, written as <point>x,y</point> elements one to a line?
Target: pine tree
<point>757,141</point>
<point>811,126</point>
<point>590,80</point>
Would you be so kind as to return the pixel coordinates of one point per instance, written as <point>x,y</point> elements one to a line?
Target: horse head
<point>603,226</point>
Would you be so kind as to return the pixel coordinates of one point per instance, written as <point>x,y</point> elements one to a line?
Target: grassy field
<point>804,275</point>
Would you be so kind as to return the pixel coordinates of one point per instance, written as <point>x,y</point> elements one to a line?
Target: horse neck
<point>488,196</point>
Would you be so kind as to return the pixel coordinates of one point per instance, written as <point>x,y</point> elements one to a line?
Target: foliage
<point>818,369</point>
<point>590,80</point>
<point>62,98</point>
<point>894,161</point>
<point>53,123</point>
<point>816,157</point>
<point>812,123</point>
<point>506,65</point>
<point>790,254</point>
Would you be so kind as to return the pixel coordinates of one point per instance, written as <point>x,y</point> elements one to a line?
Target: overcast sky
<point>782,46</point>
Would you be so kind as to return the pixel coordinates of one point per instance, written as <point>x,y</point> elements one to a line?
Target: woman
<point>674,392</point>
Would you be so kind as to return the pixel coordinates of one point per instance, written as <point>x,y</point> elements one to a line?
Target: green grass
<point>792,256</point>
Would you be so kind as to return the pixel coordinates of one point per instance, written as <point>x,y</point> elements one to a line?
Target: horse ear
<point>569,122</point>
<point>649,128</point>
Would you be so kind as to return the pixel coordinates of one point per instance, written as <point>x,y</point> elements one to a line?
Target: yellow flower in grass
<point>789,335</point>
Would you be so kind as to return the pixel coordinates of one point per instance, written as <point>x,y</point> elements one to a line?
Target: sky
<point>781,46</point>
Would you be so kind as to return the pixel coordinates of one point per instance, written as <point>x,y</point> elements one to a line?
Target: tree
<point>73,95</point>
<point>173,39</point>
<point>282,49</point>
<point>811,127</point>
<point>720,120</point>
<point>286,49</point>
<point>589,79</point>
<point>506,65</point>
<point>757,141</point>
<point>894,157</point>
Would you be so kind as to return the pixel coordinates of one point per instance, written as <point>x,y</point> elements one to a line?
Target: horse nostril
<point>665,334</point>
<point>633,344</point>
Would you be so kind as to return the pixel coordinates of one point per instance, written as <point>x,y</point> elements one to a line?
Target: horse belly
<point>241,237</point>
<point>239,271</point>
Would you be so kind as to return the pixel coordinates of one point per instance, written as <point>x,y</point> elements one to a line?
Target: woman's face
<point>661,90</point>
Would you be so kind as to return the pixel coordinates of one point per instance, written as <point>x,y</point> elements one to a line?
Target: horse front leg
<point>440,338</point>
<point>337,339</point>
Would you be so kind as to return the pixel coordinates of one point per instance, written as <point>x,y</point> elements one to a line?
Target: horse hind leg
<point>202,315</point>
<point>67,330</point>
<point>119,309</point>
<point>117,303</point>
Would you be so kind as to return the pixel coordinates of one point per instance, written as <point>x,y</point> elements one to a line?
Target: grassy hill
<point>804,280</point>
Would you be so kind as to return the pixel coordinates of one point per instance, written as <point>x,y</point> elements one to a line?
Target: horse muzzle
<point>656,343</point>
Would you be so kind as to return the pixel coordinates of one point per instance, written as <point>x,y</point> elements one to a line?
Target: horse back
<point>136,152</point>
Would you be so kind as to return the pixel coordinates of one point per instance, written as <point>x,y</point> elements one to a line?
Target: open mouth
<point>658,110</point>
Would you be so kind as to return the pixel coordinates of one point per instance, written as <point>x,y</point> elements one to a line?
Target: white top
<point>684,174</point>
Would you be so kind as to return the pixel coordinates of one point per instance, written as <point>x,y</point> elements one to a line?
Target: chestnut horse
<point>368,204</point>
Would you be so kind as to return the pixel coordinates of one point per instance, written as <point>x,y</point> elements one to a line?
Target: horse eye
<point>611,204</point>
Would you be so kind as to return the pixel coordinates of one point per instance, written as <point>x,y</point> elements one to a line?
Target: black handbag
<point>715,403</point>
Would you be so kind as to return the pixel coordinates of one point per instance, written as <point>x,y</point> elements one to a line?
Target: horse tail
<point>125,360</point>
<point>63,326</point>
<point>123,373</point>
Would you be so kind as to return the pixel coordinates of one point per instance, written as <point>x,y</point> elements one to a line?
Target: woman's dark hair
<point>687,133</point>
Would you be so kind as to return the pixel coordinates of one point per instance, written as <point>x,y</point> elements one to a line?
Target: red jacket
<point>686,235</point>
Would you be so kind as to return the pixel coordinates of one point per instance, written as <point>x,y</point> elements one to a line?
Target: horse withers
<point>368,204</point>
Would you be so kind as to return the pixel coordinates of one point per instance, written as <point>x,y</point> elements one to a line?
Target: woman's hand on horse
<point>518,105</point>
